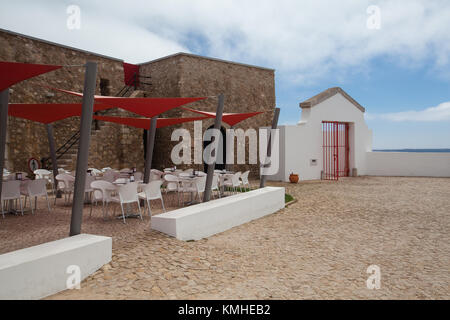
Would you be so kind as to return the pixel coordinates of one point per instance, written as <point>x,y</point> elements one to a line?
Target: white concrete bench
<point>42,270</point>
<point>206,219</point>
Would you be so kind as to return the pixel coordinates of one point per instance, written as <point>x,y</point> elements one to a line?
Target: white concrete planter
<point>42,270</point>
<point>206,219</point>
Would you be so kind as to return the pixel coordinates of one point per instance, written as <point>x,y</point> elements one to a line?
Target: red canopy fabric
<point>48,112</point>
<point>146,107</point>
<point>145,123</point>
<point>14,72</point>
<point>229,118</point>
<point>128,72</point>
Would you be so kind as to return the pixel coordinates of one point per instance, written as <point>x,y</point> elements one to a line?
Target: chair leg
<point>3,212</point>
<point>31,206</point>
<point>123,213</point>
<point>148,207</point>
<point>90,212</point>
<point>139,207</point>
<point>48,203</point>
<point>114,210</point>
<point>162,204</point>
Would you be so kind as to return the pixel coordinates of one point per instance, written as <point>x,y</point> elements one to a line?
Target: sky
<point>392,56</point>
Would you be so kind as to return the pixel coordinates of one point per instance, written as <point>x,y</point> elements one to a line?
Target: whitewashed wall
<point>301,143</point>
<point>408,164</point>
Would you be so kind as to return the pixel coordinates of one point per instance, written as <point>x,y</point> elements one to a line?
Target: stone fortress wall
<point>246,89</point>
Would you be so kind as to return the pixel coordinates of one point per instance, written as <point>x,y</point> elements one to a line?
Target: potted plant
<point>293,177</point>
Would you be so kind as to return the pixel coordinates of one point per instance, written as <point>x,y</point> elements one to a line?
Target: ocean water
<point>412,150</point>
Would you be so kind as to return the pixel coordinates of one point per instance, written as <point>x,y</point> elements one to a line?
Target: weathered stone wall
<point>29,139</point>
<point>246,89</point>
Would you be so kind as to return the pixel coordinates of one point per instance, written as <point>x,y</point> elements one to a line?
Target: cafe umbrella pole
<point>4,97</point>
<point>212,164</point>
<point>83,147</point>
<point>150,146</point>
<point>269,146</point>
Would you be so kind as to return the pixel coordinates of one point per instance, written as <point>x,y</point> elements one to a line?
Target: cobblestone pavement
<point>317,248</point>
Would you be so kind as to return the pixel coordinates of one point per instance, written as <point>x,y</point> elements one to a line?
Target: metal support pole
<point>276,114</point>
<point>4,97</point>
<point>83,147</point>
<point>51,143</point>
<point>150,146</point>
<point>211,166</point>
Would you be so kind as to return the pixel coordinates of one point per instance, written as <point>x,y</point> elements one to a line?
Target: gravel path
<point>317,248</point>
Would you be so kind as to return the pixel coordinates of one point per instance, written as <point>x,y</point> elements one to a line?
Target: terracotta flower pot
<point>293,178</point>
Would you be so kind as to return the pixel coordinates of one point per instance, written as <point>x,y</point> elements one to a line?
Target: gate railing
<point>335,148</point>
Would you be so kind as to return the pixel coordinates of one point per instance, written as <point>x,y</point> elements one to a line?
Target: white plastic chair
<point>110,175</point>
<point>152,191</point>
<point>172,184</point>
<point>138,176</point>
<point>47,175</point>
<point>61,170</point>
<point>128,194</point>
<point>95,172</point>
<point>156,174</point>
<point>233,182</point>
<point>102,191</point>
<point>35,189</point>
<point>200,184</point>
<point>65,185</point>
<point>10,191</point>
<point>244,179</point>
<point>88,190</point>
<point>215,185</point>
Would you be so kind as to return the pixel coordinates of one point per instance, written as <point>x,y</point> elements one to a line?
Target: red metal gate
<point>335,150</point>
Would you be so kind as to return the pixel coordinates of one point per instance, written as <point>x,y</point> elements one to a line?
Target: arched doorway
<point>222,150</point>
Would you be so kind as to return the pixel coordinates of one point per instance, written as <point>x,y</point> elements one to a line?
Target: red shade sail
<point>145,123</point>
<point>48,112</point>
<point>146,107</point>
<point>229,118</point>
<point>130,71</point>
<point>14,72</point>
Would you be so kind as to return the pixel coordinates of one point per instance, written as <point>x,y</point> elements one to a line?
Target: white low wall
<point>409,164</point>
<point>40,271</point>
<point>206,219</point>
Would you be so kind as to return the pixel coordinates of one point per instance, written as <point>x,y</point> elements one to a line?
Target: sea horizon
<point>413,150</point>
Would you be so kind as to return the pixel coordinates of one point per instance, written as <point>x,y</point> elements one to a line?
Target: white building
<point>333,140</point>
<point>331,135</point>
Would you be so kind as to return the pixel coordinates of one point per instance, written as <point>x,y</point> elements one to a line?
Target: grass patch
<point>288,198</point>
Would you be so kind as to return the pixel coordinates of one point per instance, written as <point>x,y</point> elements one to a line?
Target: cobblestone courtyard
<point>317,248</point>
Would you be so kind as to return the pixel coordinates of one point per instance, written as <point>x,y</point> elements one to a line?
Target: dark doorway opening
<point>144,139</point>
<point>222,151</point>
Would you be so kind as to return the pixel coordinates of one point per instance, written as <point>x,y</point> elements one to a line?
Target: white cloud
<point>432,114</point>
<point>304,40</point>
<point>100,33</point>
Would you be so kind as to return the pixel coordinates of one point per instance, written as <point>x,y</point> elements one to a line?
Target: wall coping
<point>191,55</point>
